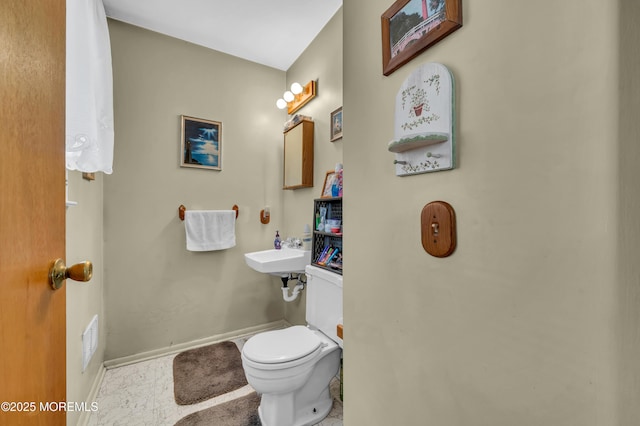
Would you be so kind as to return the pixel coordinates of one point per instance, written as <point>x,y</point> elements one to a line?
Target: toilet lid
<point>279,346</point>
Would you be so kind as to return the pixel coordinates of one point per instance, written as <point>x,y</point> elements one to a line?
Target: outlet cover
<point>89,341</point>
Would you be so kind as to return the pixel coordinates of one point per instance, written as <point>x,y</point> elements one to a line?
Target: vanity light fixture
<point>297,97</point>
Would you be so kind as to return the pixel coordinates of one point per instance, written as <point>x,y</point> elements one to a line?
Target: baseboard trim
<point>83,420</point>
<point>156,353</point>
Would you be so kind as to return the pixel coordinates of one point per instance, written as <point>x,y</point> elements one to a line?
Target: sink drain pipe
<point>296,290</point>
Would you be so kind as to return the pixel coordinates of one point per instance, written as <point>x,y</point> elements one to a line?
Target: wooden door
<point>32,211</point>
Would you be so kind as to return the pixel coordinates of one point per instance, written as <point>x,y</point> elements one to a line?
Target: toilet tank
<point>324,301</point>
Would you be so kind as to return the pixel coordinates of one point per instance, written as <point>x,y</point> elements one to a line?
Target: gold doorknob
<point>59,272</point>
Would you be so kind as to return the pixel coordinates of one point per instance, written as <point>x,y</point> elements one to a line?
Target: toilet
<point>292,368</point>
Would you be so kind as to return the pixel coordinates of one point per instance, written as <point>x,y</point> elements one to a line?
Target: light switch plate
<point>438,228</point>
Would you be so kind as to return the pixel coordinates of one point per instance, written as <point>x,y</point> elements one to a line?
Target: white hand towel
<point>210,229</point>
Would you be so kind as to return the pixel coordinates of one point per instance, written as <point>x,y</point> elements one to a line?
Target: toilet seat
<point>282,346</point>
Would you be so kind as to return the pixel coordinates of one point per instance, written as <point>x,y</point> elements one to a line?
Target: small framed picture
<point>201,143</point>
<point>336,125</point>
<point>329,179</point>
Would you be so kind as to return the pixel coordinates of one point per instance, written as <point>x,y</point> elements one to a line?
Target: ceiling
<point>269,32</point>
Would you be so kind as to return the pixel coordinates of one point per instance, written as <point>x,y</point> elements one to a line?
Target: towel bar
<point>183,209</point>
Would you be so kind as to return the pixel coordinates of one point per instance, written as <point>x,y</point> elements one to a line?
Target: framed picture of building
<point>201,143</point>
<point>411,26</point>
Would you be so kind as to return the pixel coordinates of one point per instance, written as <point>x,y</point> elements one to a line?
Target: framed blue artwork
<point>201,143</point>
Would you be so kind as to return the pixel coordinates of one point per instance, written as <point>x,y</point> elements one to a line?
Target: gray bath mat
<point>203,373</point>
<point>238,412</point>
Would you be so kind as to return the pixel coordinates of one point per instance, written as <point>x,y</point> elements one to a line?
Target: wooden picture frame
<point>328,183</point>
<point>336,125</point>
<point>412,26</point>
<point>201,143</point>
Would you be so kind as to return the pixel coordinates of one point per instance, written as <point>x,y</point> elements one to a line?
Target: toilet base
<point>307,405</point>
<point>308,415</point>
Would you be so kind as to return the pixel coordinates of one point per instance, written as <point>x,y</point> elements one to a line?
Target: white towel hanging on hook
<point>89,97</point>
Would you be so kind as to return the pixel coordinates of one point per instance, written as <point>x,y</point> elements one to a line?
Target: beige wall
<point>84,236</point>
<point>321,61</point>
<point>157,293</point>
<point>628,203</point>
<point>251,178</point>
<point>521,325</point>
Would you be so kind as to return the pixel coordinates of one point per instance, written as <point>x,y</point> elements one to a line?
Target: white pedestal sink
<point>279,262</point>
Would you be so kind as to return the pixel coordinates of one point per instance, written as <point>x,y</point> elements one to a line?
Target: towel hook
<point>183,209</point>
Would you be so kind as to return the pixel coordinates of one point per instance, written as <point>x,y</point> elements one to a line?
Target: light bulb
<point>281,104</point>
<point>296,88</point>
<point>288,96</point>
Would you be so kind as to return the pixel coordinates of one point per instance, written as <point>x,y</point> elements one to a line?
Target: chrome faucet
<point>292,242</point>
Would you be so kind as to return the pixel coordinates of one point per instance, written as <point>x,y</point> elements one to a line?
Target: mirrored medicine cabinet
<point>298,155</point>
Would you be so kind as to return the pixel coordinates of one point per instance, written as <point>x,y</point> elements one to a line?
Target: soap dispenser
<point>277,244</point>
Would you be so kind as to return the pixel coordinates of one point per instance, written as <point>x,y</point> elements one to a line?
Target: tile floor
<point>141,394</point>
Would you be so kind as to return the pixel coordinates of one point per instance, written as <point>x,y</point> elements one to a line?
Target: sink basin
<point>279,262</point>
